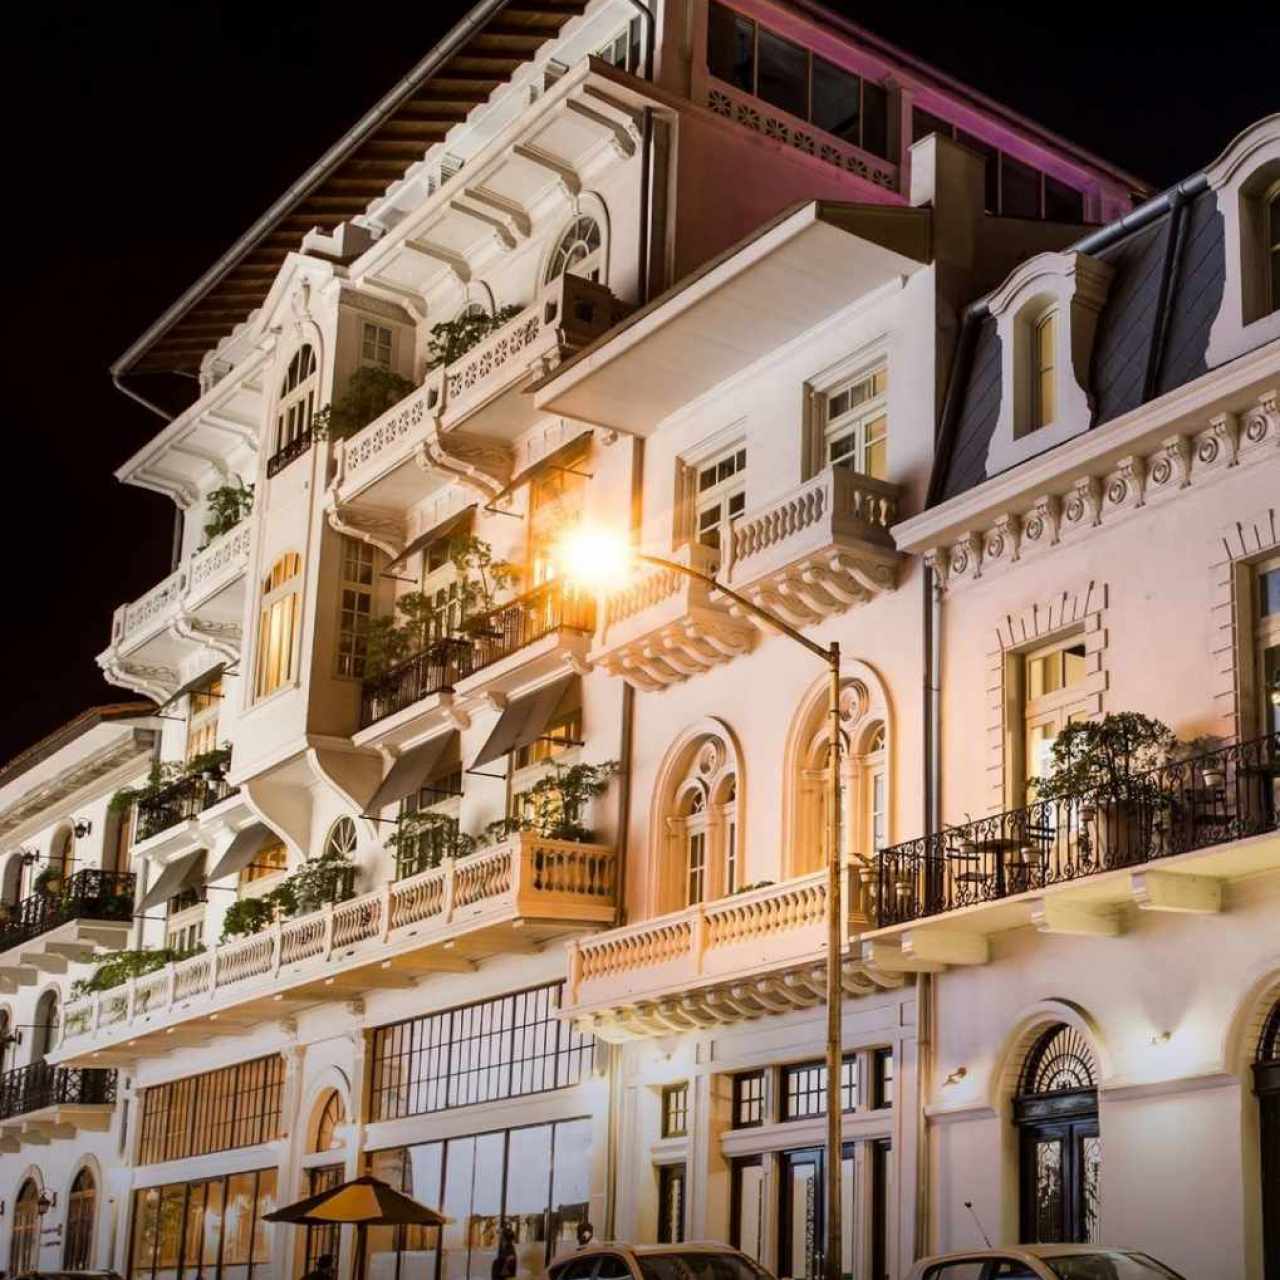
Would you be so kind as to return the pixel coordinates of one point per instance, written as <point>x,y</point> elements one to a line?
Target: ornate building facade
<point>424,861</point>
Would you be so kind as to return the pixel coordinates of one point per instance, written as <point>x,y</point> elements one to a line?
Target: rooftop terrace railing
<point>1209,799</point>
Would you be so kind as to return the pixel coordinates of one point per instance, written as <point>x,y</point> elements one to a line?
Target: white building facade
<point>451,872</point>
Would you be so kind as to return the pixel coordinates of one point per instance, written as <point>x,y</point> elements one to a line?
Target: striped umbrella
<point>365,1202</point>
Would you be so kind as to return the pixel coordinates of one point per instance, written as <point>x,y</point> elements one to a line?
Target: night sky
<point>142,139</point>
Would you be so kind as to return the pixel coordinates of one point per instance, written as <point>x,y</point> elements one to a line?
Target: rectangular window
<point>764,64</point>
<point>1043,398</point>
<point>671,1199</point>
<point>697,868</point>
<point>1266,637</point>
<point>355,606</point>
<point>748,1099</point>
<point>436,841</point>
<point>1051,679</point>
<point>271,860</point>
<point>721,496</point>
<point>213,1229</point>
<point>375,346</point>
<point>502,1048</point>
<point>675,1111</point>
<point>203,706</point>
<point>237,1106</point>
<point>747,1209</point>
<point>856,431</point>
<point>556,498</point>
<point>882,1078</point>
<point>804,1089</point>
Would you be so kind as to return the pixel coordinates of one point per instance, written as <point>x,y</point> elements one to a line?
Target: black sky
<point>143,138</point>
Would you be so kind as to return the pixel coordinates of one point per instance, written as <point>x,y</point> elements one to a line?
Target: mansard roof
<point>477,56</point>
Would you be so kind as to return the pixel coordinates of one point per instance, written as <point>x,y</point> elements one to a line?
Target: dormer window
<point>1043,361</point>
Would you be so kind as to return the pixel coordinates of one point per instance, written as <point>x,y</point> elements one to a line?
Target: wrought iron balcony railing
<point>186,798</point>
<point>434,670</point>
<point>28,1089</point>
<point>1210,799</point>
<point>286,454</point>
<point>91,894</point>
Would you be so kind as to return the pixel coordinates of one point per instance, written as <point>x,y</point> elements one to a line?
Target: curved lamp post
<point>597,558</point>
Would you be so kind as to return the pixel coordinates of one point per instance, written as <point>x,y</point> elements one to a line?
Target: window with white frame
<point>355,605</point>
<point>203,706</point>
<point>375,345</point>
<point>875,789</point>
<point>856,430</point>
<point>442,589</point>
<point>695,843</point>
<point>720,497</point>
<point>297,398</point>
<point>1266,641</point>
<point>1041,352</point>
<point>578,251</point>
<point>429,821</point>
<point>278,626</point>
<point>184,920</point>
<point>1052,697</point>
<point>702,826</point>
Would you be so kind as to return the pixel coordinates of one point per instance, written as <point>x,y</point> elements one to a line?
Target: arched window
<point>704,854</point>
<point>1043,403</point>
<point>864,775</point>
<point>1266,1084</point>
<point>62,852</point>
<point>1060,1147</point>
<point>332,1114</point>
<point>45,1032</point>
<point>80,1210</point>
<point>342,841</point>
<point>578,251</point>
<point>11,889</point>
<point>297,398</point>
<point>24,1244</point>
<point>322,1241</point>
<point>278,629</point>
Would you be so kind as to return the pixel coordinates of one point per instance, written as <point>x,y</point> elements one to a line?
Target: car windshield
<point>696,1265</point>
<point>1108,1264</point>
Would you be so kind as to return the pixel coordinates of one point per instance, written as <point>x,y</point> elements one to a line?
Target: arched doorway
<point>1059,1143</point>
<point>81,1204</point>
<point>44,1035</point>
<point>325,1176</point>
<point>24,1245</point>
<point>1266,1084</point>
<point>11,884</point>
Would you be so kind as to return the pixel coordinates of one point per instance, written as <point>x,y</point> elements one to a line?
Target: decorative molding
<point>377,526</point>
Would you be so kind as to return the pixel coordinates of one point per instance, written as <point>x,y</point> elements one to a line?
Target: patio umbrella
<point>363,1202</point>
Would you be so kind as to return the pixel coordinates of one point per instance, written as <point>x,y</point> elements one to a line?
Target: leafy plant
<point>246,916</point>
<point>748,888</point>
<point>228,505</point>
<point>1107,760</point>
<point>422,840</point>
<point>556,803</point>
<point>49,879</point>
<point>370,393</point>
<point>328,878</point>
<point>116,969</point>
<point>452,339</point>
<point>163,774</point>
<point>481,576</point>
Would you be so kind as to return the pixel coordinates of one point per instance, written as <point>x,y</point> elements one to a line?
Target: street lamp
<point>598,558</point>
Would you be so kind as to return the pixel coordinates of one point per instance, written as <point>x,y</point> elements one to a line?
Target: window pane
<point>875,119</point>
<point>459,1167</point>
<point>528,1191</point>
<point>570,1184</point>
<point>1020,189</point>
<point>1061,202</point>
<point>145,1218</point>
<point>486,1201</point>
<point>730,37</point>
<point>749,1209</point>
<point>1269,593</point>
<point>238,1220</point>
<point>835,100</point>
<point>783,74</point>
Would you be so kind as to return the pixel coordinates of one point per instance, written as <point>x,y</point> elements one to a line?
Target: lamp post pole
<point>830,654</point>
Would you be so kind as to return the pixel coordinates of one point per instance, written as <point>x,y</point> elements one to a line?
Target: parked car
<point>1044,1262</point>
<point>613,1260</point>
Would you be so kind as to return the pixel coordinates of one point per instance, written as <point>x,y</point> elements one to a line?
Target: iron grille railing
<point>1209,799</point>
<point>288,453</point>
<point>28,1089</point>
<point>428,848</point>
<point>554,606</point>
<point>491,637</point>
<point>91,894</point>
<point>186,798</point>
<point>434,670</point>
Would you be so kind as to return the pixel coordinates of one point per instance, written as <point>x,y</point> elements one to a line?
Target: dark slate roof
<point>1152,336</point>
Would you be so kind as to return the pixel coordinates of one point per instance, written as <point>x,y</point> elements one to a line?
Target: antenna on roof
<point>986,1239</point>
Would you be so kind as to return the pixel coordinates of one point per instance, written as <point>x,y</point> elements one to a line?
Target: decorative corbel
<point>1046,517</point>
<point>380,529</point>
<point>1133,470</point>
<point>938,561</point>
<point>454,713</point>
<point>1264,417</point>
<point>1088,492</point>
<point>1009,531</point>
<point>1226,430</point>
<point>1177,457</point>
<point>481,465</point>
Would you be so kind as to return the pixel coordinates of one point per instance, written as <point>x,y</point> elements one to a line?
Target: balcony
<point>406,454</point>
<point>182,801</point>
<point>740,958</point>
<point>544,630</point>
<point>94,908</point>
<point>40,1102</point>
<point>518,894</point>
<point>196,610</point>
<point>1070,866</point>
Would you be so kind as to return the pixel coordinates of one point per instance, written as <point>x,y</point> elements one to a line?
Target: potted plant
<point>1107,769</point>
<point>451,339</point>
<point>370,393</point>
<point>556,804</point>
<point>227,505</point>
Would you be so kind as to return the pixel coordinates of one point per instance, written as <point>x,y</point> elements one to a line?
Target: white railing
<point>777,924</point>
<point>655,585</point>
<point>224,557</point>
<point>525,876</point>
<point>394,431</point>
<point>139,615</point>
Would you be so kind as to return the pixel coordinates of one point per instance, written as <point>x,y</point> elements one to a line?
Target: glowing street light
<point>600,559</point>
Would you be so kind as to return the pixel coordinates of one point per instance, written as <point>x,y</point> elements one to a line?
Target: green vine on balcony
<point>554,805</point>
<point>452,339</point>
<point>116,969</point>
<point>227,505</point>
<point>422,840</point>
<point>318,881</point>
<point>163,774</point>
<point>370,393</point>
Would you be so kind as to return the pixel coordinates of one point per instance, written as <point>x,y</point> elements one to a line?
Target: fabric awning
<point>559,457</point>
<point>205,677</point>
<point>242,850</point>
<point>524,719</point>
<point>442,530</point>
<point>411,772</point>
<point>182,873</point>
